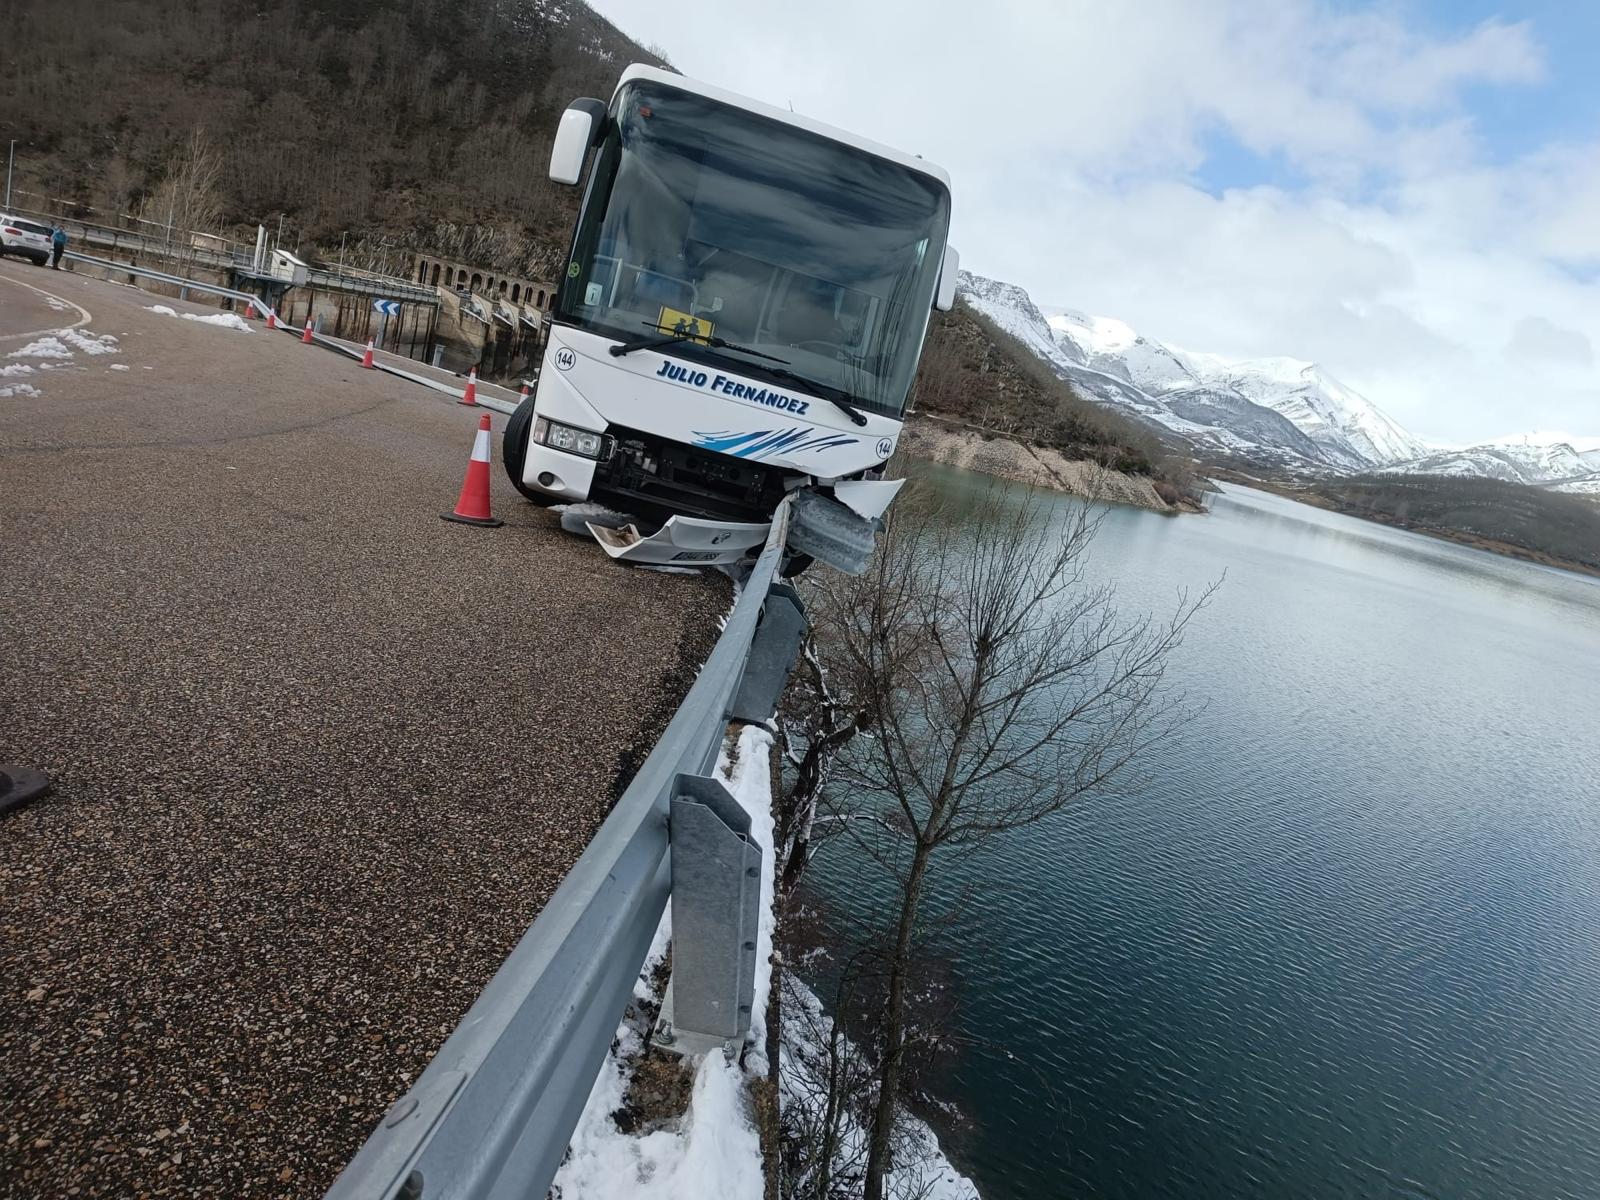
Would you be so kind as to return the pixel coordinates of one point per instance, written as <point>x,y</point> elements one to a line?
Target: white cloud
<point>1074,132</point>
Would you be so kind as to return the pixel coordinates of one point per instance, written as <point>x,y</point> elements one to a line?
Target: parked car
<point>25,239</point>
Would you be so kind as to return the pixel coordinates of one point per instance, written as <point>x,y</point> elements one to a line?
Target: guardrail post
<point>772,655</point>
<point>716,898</point>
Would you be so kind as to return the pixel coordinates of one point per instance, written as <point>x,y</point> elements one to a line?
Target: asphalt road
<point>319,756</point>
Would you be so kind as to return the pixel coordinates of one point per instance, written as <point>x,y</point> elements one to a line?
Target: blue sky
<point>1566,106</point>
<point>1405,192</point>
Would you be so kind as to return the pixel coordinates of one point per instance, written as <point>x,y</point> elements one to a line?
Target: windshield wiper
<point>668,336</point>
<point>844,406</point>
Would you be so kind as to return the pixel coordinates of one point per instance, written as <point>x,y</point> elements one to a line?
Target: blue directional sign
<point>389,308</point>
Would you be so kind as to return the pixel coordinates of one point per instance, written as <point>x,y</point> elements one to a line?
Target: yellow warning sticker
<point>673,321</point>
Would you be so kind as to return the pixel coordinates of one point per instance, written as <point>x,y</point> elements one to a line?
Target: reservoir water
<point>1341,938</point>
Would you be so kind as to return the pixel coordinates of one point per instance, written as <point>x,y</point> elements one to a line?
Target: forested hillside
<point>401,118</point>
<point>1545,525</point>
<point>975,372</point>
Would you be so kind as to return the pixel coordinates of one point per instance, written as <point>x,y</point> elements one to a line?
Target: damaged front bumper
<point>839,530</point>
<point>682,542</point>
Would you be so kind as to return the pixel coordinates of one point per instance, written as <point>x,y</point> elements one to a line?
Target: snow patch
<point>45,347</point>
<point>90,343</point>
<point>221,320</point>
<point>922,1169</point>
<point>121,367</point>
<point>18,389</point>
<point>15,370</point>
<point>715,1150</point>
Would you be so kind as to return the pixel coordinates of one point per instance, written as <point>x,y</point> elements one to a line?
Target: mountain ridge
<point>1278,411</point>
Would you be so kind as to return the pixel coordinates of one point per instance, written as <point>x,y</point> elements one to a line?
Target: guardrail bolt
<point>664,1033</point>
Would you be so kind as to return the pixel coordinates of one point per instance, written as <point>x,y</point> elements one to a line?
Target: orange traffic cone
<point>249,310</point>
<point>272,319</point>
<point>472,507</point>
<point>524,391</point>
<point>470,396</point>
<point>306,336</point>
<point>366,359</point>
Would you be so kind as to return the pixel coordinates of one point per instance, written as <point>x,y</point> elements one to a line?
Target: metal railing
<point>178,281</point>
<point>234,257</point>
<point>491,1115</point>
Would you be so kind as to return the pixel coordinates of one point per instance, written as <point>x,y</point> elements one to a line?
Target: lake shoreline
<point>1441,533</point>
<point>955,444</point>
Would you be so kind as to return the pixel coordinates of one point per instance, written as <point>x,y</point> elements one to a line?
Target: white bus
<point>740,318</point>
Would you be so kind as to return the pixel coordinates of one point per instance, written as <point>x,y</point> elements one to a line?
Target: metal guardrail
<point>177,281</point>
<point>184,285</point>
<point>367,283</point>
<point>491,1115</point>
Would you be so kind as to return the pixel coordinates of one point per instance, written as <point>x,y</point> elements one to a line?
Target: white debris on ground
<point>121,367</point>
<point>715,1150</point>
<point>90,343</point>
<point>61,343</point>
<point>45,347</point>
<point>221,320</point>
<point>921,1168</point>
<point>53,351</point>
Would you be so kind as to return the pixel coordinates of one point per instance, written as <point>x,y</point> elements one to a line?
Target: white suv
<point>26,239</point>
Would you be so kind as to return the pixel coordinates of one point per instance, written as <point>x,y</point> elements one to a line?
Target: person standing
<point>58,246</point>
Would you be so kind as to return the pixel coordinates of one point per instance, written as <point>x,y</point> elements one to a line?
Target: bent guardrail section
<point>491,1115</point>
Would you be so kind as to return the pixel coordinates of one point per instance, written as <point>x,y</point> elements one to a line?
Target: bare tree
<point>187,202</point>
<point>996,684</point>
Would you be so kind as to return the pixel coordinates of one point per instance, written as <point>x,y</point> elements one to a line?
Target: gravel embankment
<point>320,756</point>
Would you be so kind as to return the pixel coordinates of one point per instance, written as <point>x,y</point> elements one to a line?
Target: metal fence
<point>222,254</point>
<point>491,1115</point>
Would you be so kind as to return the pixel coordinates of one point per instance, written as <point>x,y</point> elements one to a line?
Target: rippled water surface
<point>1343,938</point>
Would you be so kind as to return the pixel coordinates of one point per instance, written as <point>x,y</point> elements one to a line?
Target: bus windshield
<point>797,249</point>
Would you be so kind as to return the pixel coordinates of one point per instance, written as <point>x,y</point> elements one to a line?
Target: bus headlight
<point>570,439</point>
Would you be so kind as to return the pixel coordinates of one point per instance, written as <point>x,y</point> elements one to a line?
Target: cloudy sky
<point>1406,192</point>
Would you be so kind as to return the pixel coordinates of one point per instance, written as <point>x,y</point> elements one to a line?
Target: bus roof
<point>683,83</point>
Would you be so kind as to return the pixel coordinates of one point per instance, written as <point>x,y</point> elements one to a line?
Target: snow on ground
<point>14,370</point>
<point>121,367</point>
<point>715,1151</point>
<point>90,343</point>
<point>45,347</point>
<point>221,320</point>
<point>922,1169</point>
<point>18,389</point>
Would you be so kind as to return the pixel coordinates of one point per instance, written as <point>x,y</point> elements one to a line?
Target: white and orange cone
<point>306,336</point>
<point>524,391</point>
<point>366,359</point>
<point>470,396</point>
<point>472,507</point>
<point>272,319</point>
<point>249,310</point>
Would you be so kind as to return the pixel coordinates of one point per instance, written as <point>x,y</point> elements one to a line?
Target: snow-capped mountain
<point>1328,411</point>
<point>1555,461</point>
<point>1276,411</point>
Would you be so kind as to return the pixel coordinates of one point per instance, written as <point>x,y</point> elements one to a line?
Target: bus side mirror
<point>948,274</point>
<point>579,129</point>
